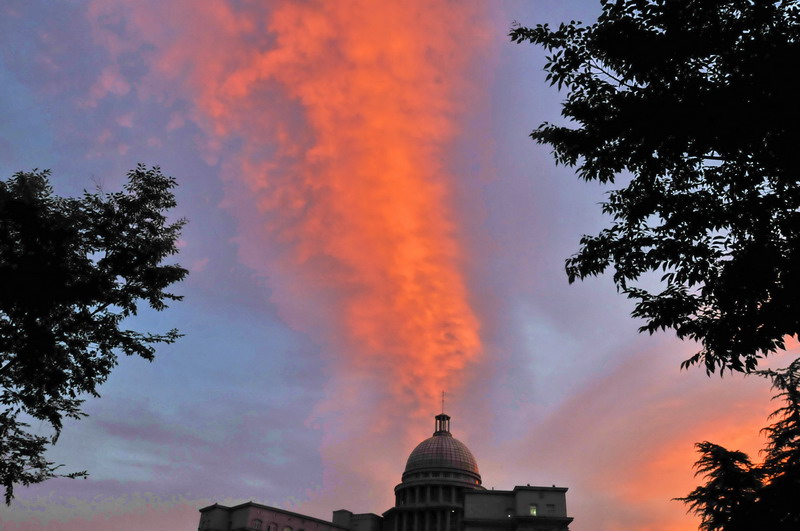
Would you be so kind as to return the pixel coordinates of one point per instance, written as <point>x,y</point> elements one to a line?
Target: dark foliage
<point>742,497</point>
<point>691,107</point>
<point>71,271</point>
<point>730,490</point>
<point>779,506</point>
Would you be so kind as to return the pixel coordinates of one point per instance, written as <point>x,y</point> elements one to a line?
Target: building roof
<point>442,451</point>
<point>274,509</point>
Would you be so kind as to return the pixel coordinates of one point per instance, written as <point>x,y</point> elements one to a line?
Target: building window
<point>256,524</point>
<point>272,527</point>
<point>551,509</point>
<point>534,509</point>
<point>287,528</point>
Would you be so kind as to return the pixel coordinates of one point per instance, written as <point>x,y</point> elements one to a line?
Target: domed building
<point>431,494</point>
<point>440,490</point>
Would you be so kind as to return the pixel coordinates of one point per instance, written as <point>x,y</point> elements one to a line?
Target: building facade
<point>254,516</point>
<point>440,490</point>
<point>523,508</point>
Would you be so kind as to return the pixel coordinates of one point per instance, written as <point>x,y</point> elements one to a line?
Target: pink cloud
<point>110,81</point>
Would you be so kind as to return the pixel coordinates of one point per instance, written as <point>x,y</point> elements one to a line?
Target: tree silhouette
<point>779,501</point>
<point>730,491</point>
<point>740,496</point>
<point>71,271</point>
<point>690,107</point>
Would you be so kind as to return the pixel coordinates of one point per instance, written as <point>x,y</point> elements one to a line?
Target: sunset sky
<point>369,225</point>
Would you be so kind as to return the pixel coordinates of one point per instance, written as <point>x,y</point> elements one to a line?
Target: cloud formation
<point>331,121</point>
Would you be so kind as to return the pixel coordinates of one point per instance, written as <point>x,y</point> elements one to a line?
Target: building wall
<point>256,517</point>
<point>366,522</point>
<point>492,504</point>
<point>357,522</point>
<point>214,518</point>
<point>480,510</point>
<point>521,509</point>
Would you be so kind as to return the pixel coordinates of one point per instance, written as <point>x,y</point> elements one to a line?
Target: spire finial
<point>442,422</point>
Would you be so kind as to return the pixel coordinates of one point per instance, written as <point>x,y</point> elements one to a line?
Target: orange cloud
<point>625,445</point>
<point>357,196</point>
<point>342,113</point>
<point>368,196</point>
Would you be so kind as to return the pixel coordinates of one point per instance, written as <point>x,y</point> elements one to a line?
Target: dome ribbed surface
<point>442,451</point>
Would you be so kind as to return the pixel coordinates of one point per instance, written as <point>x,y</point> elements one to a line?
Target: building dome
<point>442,451</point>
<point>439,473</point>
<point>442,454</point>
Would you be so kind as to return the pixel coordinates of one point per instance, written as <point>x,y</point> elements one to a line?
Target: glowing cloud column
<point>364,206</point>
<point>330,122</point>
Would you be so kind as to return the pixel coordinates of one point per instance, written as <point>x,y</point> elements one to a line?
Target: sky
<point>369,225</point>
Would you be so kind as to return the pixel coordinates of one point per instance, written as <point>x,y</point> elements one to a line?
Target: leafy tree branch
<point>695,102</point>
<point>71,271</point>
